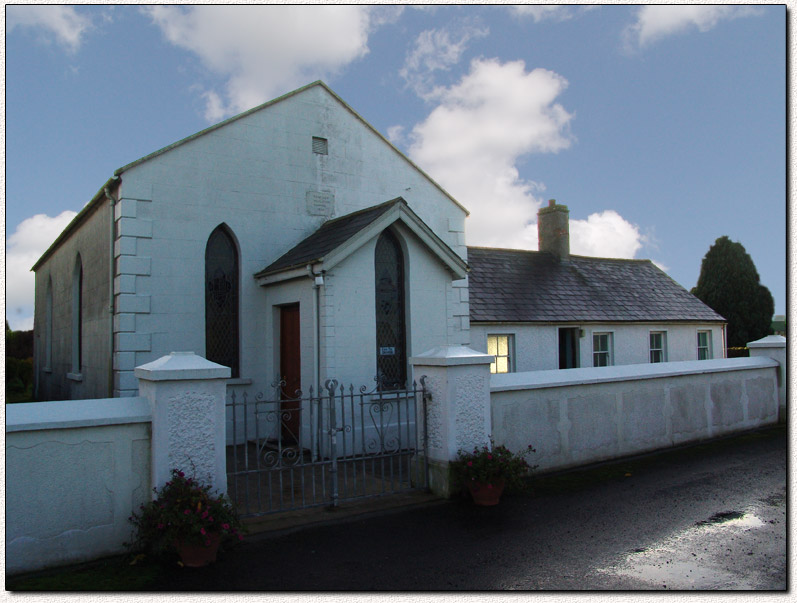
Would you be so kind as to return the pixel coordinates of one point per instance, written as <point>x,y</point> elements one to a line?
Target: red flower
<point>470,463</point>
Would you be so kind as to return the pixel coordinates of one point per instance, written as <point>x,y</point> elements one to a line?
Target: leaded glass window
<point>77,316</point>
<point>221,300</point>
<point>391,353</point>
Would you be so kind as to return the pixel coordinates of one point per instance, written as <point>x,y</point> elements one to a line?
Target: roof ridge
<point>579,257</point>
<point>363,210</point>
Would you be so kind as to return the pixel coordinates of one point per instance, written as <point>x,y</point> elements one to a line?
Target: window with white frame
<point>502,347</point>
<point>602,349</point>
<point>658,346</point>
<point>704,351</point>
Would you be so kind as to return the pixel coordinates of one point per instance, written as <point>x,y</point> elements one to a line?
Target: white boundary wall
<point>75,471</point>
<point>579,416</point>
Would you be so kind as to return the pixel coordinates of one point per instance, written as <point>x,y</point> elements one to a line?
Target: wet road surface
<point>705,518</point>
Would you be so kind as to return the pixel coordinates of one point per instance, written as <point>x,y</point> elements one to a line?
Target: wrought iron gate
<point>292,452</point>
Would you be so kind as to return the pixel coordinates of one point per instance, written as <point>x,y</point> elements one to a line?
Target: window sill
<point>74,376</point>
<point>239,381</point>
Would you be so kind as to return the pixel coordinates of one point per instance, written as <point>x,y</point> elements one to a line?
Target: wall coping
<point>770,341</point>
<point>181,366</point>
<point>451,355</point>
<point>73,414</point>
<point>627,372</point>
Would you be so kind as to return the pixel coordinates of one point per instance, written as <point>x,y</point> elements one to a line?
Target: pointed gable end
<point>339,238</point>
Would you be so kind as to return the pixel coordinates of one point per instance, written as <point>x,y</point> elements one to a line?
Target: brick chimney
<point>553,230</point>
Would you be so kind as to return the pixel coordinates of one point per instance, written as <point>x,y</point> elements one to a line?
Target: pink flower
<point>202,531</point>
<point>161,526</point>
<point>240,537</point>
<point>187,512</point>
<point>204,515</point>
<point>225,526</point>
<point>181,474</point>
<point>490,457</point>
<point>470,463</point>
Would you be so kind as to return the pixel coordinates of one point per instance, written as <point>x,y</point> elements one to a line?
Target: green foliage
<point>186,511</point>
<point>490,464</point>
<point>19,344</point>
<point>730,285</point>
<point>19,365</point>
<point>19,379</point>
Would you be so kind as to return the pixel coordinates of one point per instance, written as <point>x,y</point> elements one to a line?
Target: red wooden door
<point>290,372</point>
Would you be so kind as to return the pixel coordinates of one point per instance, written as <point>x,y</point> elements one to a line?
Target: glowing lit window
<point>502,347</point>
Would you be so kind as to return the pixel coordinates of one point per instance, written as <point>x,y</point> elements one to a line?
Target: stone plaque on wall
<point>320,203</point>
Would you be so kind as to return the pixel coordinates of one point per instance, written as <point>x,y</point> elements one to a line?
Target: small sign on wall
<point>387,351</point>
<point>320,203</point>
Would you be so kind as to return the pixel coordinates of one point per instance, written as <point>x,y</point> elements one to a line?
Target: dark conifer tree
<point>730,285</point>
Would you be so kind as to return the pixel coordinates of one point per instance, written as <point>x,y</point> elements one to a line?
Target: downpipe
<point>111,274</point>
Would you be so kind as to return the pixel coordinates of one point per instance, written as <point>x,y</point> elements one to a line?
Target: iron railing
<point>292,452</point>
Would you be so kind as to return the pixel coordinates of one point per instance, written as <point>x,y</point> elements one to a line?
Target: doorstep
<point>277,523</point>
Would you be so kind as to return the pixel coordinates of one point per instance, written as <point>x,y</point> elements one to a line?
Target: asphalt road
<point>706,518</point>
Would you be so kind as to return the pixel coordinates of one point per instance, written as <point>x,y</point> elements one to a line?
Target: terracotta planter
<point>486,495</point>
<point>199,555</point>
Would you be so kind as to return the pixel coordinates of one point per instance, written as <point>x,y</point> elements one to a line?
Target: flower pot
<point>486,495</point>
<point>199,555</point>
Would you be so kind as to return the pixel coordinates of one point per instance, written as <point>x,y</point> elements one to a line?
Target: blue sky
<point>661,127</point>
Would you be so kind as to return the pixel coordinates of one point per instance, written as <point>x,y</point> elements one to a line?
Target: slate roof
<point>332,233</point>
<point>509,285</point>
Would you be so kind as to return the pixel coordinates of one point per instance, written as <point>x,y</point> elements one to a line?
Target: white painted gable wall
<point>254,175</point>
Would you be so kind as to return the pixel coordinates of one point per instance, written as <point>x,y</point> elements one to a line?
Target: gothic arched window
<point>391,340</point>
<point>221,300</point>
<point>77,316</point>
<point>48,325</point>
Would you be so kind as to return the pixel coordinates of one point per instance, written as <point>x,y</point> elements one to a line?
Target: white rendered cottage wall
<point>260,177</point>
<point>58,379</point>
<point>537,347</point>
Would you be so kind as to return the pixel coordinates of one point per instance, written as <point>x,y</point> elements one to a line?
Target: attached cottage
<point>547,309</point>
<point>294,242</point>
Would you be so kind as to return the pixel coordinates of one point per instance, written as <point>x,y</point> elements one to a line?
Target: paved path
<point>706,518</point>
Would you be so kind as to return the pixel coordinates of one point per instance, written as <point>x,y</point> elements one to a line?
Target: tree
<point>729,284</point>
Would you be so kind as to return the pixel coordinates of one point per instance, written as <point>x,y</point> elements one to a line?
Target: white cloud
<point>655,22</point>
<point>605,234</point>
<point>543,12</point>
<point>23,248</point>
<point>470,143</point>
<point>265,51</point>
<point>64,22</point>
<point>437,50</point>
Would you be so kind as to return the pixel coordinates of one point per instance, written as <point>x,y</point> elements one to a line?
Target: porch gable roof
<point>338,238</point>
